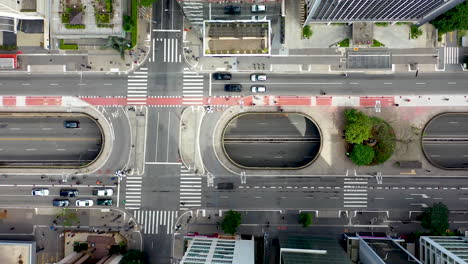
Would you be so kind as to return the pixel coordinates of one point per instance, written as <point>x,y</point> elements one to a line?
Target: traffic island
<point>190,126</point>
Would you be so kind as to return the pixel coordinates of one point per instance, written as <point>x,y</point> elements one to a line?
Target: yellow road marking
<point>48,139</point>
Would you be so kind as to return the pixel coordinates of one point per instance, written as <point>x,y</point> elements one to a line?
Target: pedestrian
<point>43,235</point>
<point>73,235</point>
<point>68,242</point>
<point>428,171</point>
<point>12,228</point>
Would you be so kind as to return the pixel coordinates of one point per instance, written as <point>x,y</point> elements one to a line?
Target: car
<point>258,77</point>
<point>259,18</point>
<point>61,202</point>
<point>68,192</point>
<point>225,186</point>
<point>232,10</point>
<point>258,9</point>
<point>104,202</point>
<point>71,124</point>
<point>233,88</point>
<point>258,89</point>
<point>222,76</point>
<point>40,192</point>
<point>103,192</point>
<point>84,202</point>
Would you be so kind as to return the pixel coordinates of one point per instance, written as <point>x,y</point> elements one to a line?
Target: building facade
<point>348,11</point>
<point>443,249</point>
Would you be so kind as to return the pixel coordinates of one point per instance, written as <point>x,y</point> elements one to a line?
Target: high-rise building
<point>348,11</point>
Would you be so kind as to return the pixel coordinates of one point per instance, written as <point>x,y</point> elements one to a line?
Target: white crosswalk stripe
<point>193,11</point>
<point>192,89</point>
<point>154,221</point>
<point>133,192</point>
<point>171,47</point>
<point>451,55</point>
<point>355,192</point>
<point>190,189</point>
<point>137,87</point>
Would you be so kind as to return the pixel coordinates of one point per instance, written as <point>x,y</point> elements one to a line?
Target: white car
<point>103,192</point>
<point>258,77</point>
<point>84,203</point>
<point>258,89</point>
<point>40,192</point>
<point>258,9</point>
<point>263,18</point>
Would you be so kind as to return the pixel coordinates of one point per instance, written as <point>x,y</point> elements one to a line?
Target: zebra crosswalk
<point>194,12</point>
<point>152,221</point>
<point>190,189</point>
<point>355,192</point>
<point>192,89</point>
<point>137,87</point>
<point>451,55</point>
<point>133,192</point>
<point>171,49</point>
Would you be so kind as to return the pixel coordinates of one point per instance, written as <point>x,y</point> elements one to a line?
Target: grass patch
<point>386,140</point>
<point>75,26</point>
<point>307,32</point>
<point>65,18</point>
<point>381,24</point>
<point>377,44</point>
<point>109,5</point>
<point>403,23</point>
<point>8,47</point>
<point>134,30</point>
<point>64,46</point>
<point>102,18</point>
<point>344,43</point>
<point>338,24</point>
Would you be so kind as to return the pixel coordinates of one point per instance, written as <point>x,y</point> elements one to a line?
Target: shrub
<point>403,23</point>
<point>109,5</point>
<point>377,44</point>
<point>307,32</point>
<point>134,22</point>
<point>454,19</point>
<point>344,43</point>
<point>381,24</point>
<point>358,126</point>
<point>435,218</point>
<point>147,2</point>
<point>65,18</point>
<point>383,133</point>
<point>231,222</point>
<point>75,26</point>
<point>305,219</point>
<point>8,47</point>
<point>362,155</point>
<point>416,32</point>
<point>102,18</point>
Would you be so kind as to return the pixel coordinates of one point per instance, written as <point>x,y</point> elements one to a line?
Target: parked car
<point>222,76</point>
<point>103,192</point>
<point>233,88</point>
<point>225,186</point>
<point>258,9</point>
<point>104,202</point>
<point>258,77</point>
<point>259,18</point>
<point>68,192</point>
<point>40,192</point>
<point>71,124</point>
<point>61,202</point>
<point>232,10</point>
<point>84,203</point>
<point>258,89</point>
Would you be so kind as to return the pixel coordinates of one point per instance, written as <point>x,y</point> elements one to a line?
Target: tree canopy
<point>147,2</point>
<point>435,218</point>
<point>133,256</point>
<point>358,126</point>
<point>305,219</point>
<point>231,222</point>
<point>454,19</point>
<point>362,155</point>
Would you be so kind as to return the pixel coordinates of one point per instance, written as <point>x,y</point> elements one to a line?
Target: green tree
<point>435,218</point>
<point>119,44</point>
<point>305,219</point>
<point>133,256</point>
<point>231,222</point>
<point>147,2</point>
<point>127,23</point>
<point>362,155</point>
<point>454,19</point>
<point>67,217</point>
<point>358,126</point>
<point>307,32</point>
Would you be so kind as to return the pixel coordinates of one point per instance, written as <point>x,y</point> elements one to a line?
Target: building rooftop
<point>390,252</point>
<point>12,252</point>
<point>455,247</point>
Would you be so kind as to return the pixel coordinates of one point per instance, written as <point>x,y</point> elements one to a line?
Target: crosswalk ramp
<point>133,192</point>
<point>192,89</point>
<point>451,55</point>
<point>190,189</point>
<point>137,87</point>
<point>355,192</point>
<point>156,221</point>
<point>171,49</point>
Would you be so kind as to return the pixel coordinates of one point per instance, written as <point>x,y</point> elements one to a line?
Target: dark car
<point>233,88</point>
<point>222,76</point>
<point>71,124</point>
<point>232,10</point>
<point>68,193</point>
<point>225,186</point>
<point>61,203</point>
<point>104,201</point>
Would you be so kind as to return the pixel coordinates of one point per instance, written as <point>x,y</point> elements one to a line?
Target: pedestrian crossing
<point>133,192</point>
<point>190,189</point>
<point>137,87</point>
<point>451,55</point>
<point>192,89</point>
<point>154,222</point>
<point>355,192</point>
<point>171,49</point>
<point>194,12</point>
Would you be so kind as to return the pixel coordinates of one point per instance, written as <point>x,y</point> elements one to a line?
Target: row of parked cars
<point>220,76</point>
<point>72,193</point>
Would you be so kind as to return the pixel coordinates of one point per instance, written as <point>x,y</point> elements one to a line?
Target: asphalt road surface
<point>44,141</point>
<point>285,140</point>
<point>445,141</point>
